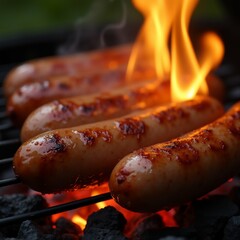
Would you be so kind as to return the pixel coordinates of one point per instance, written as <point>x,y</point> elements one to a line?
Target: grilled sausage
<point>81,63</point>
<point>180,170</point>
<point>70,112</point>
<point>33,95</point>
<point>67,159</point>
<point>82,110</point>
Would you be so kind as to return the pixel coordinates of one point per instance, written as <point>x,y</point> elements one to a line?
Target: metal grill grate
<point>9,142</point>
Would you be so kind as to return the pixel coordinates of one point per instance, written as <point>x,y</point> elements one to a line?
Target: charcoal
<point>211,215</point>
<point>15,204</point>
<point>103,234</point>
<point>30,231</point>
<point>65,226</point>
<point>106,218</point>
<point>105,224</point>
<point>232,229</point>
<point>151,223</point>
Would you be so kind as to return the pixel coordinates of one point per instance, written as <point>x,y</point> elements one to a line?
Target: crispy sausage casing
<point>81,63</point>
<point>79,110</point>
<point>170,173</point>
<point>32,95</point>
<point>67,159</point>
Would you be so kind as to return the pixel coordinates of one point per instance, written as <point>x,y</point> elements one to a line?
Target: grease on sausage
<point>170,173</point>
<point>71,158</point>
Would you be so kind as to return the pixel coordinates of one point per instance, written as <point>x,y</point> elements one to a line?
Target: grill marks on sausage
<point>232,123</point>
<point>170,114</point>
<point>175,112</point>
<point>57,144</point>
<point>131,127</point>
<point>90,136</point>
<point>101,104</point>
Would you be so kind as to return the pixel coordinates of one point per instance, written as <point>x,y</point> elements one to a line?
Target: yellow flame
<point>167,20</point>
<point>79,221</point>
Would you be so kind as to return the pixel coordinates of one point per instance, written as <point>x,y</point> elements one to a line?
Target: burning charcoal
<point>106,218</point>
<point>65,226</point>
<point>232,229</point>
<point>212,214</point>
<point>11,205</point>
<point>30,231</point>
<point>17,204</point>
<point>151,223</point>
<point>105,224</point>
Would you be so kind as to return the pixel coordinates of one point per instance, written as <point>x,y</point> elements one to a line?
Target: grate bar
<point>6,161</point>
<point>6,126</point>
<point>10,142</point>
<point>9,181</point>
<point>56,209</point>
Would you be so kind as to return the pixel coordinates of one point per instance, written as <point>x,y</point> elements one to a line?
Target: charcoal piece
<point>30,231</point>
<point>232,229</point>
<point>65,226</point>
<point>211,215</point>
<point>15,204</point>
<point>106,218</point>
<point>103,234</point>
<point>151,223</point>
<point>105,224</point>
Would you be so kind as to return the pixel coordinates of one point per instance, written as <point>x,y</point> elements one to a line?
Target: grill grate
<point>9,140</point>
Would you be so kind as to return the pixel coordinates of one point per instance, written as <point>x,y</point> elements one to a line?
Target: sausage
<point>82,110</point>
<point>81,63</point>
<point>72,158</point>
<point>79,110</point>
<point>171,173</point>
<point>32,95</point>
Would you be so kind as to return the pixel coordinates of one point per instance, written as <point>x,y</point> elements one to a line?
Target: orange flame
<point>170,18</point>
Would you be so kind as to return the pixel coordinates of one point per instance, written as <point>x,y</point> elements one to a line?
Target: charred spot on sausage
<point>131,126</point>
<point>89,136</point>
<point>170,114</point>
<point>55,143</point>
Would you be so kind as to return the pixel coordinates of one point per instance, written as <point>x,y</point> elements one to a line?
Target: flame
<point>166,23</point>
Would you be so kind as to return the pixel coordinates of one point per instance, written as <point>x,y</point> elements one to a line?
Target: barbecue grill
<point>18,50</point>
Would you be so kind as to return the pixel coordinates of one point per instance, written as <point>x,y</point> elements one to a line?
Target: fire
<point>167,21</point>
<point>163,47</point>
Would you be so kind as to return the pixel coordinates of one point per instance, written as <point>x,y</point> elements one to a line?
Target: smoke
<point>115,26</point>
<point>104,24</point>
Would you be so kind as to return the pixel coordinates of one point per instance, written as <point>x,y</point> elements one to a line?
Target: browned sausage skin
<point>170,173</point>
<point>81,63</point>
<point>79,110</point>
<point>67,159</point>
<point>32,95</point>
